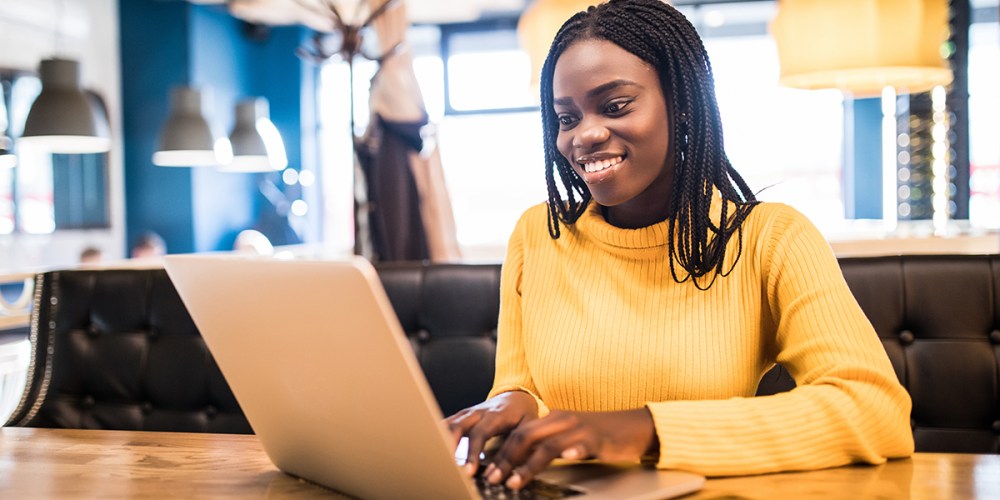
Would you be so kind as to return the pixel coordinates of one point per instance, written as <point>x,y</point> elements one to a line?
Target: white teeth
<point>597,166</point>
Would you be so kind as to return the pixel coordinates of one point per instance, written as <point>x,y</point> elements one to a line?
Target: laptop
<point>319,363</point>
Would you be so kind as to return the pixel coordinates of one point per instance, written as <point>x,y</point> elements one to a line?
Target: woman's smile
<point>597,168</point>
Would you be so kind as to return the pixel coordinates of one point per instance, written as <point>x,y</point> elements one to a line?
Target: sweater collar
<point>592,224</point>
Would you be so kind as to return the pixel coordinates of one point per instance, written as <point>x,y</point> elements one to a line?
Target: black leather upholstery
<point>116,349</point>
<point>449,312</point>
<point>127,356</point>
<point>939,321</point>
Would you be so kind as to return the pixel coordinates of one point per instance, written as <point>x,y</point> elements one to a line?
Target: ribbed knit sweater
<point>594,321</point>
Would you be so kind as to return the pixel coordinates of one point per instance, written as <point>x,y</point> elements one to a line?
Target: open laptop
<point>317,359</point>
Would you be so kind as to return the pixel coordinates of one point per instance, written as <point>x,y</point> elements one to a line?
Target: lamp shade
<point>538,27</point>
<point>187,139</point>
<point>63,119</point>
<point>257,145</point>
<point>862,46</point>
<point>7,157</point>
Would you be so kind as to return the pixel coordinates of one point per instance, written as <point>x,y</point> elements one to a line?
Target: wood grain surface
<point>68,463</point>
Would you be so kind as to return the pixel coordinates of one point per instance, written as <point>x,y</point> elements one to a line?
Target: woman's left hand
<point>606,436</point>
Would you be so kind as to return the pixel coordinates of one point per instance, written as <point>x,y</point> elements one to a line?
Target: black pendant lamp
<point>257,145</point>
<point>187,139</point>
<point>7,157</point>
<point>63,118</point>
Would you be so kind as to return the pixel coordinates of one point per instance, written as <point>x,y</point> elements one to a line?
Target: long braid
<point>662,37</point>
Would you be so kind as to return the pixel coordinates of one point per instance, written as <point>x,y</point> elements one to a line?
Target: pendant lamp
<point>63,119</point>
<point>187,139</point>
<point>862,46</point>
<point>257,145</point>
<point>538,27</point>
<point>7,157</point>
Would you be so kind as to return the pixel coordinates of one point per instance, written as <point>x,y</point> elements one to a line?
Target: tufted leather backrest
<point>449,312</point>
<point>939,320</point>
<point>116,349</point>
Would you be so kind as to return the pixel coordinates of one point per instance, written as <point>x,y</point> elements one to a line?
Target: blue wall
<point>164,44</point>
<point>224,203</point>
<point>863,158</point>
<point>154,57</point>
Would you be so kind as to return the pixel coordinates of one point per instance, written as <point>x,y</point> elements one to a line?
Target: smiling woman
<point>615,134</point>
<point>642,303</point>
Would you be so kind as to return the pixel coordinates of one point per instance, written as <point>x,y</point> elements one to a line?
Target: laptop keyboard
<point>536,489</point>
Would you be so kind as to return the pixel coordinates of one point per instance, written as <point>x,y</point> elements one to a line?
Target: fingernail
<point>571,453</point>
<point>514,482</point>
<point>494,475</point>
<point>470,469</point>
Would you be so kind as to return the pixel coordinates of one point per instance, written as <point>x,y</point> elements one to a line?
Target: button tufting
<point>88,402</point>
<point>146,408</point>
<point>423,336</point>
<point>211,411</point>
<point>995,336</point>
<point>906,337</point>
<point>152,333</point>
<point>493,334</point>
<point>913,424</point>
<point>996,426</point>
<point>93,331</point>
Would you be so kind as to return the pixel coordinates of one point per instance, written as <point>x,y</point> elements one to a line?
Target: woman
<point>641,305</point>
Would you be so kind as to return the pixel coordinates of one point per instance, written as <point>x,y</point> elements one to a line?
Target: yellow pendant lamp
<point>862,46</point>
<point>538,26</point>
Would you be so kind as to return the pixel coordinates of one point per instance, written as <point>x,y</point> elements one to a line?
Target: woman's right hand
<point>493,417</point>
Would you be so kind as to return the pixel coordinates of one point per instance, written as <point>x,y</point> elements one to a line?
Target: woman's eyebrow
<point>598,90</point>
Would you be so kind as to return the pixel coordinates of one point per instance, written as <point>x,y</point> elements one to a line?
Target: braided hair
<point>662,37</point>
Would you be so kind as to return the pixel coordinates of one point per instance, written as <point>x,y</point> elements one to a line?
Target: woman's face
<point>614,130</point>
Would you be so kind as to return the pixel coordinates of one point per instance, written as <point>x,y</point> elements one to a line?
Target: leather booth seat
<point>116,349</point>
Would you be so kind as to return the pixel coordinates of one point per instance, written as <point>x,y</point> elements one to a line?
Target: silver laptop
<point>317,359</point>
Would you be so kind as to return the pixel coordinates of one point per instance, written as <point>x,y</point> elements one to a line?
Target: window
<point>486,71</point>
<point>984,124</point>
<point>786,143</point>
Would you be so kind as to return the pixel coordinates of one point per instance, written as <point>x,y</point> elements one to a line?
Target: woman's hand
<point>607,436</point>
<point>493,417</point>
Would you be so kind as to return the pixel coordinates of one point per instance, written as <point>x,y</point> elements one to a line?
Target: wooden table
<point>55,463</point>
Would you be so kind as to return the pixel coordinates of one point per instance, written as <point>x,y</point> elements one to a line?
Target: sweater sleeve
<point>512,371</point>
<point>848,405</point>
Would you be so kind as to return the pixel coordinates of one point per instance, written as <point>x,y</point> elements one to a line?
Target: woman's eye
<point>617,106</point>
<point>566,120</point>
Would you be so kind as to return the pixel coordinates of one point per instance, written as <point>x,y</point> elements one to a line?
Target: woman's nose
<point>590,133</point>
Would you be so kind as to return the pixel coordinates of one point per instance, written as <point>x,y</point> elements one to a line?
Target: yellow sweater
<point>593,321</point>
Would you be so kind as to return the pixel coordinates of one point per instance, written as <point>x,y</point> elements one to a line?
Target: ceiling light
<point>64,119</point>
<point>860,46</point>
<point>257,145</point>
<point>187,139</point>
<point>538,27</point>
